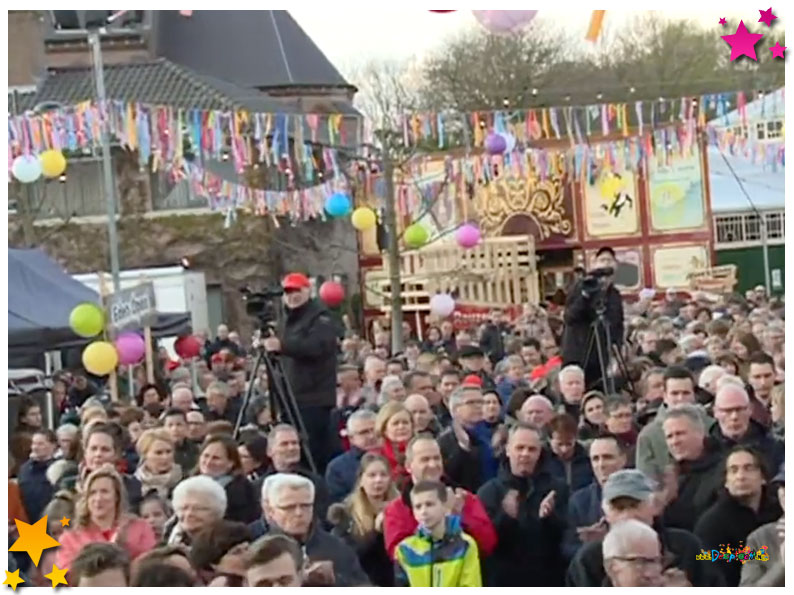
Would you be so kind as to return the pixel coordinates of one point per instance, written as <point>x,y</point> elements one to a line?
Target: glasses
<point>292,508</point>
<point>639,560</point>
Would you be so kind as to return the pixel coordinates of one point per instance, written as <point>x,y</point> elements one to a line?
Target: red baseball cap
<point>296,281</point>
<point>472,380</point>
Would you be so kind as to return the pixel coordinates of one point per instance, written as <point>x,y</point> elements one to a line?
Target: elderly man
<point>697,467</point>
<point>466,446</point>
<point>536,411</point>
<point>709,377</point>
<point>527,506</point>
<point>219,407</point>
<point>341,473</point>
<point>392,389</point>
<point>423,461</point>
<point>182,398</point>
<point>421,414</point>
<point>196,426</point>
<point>652,454</point>
<point>572,389</point>
<point>374,373</point>
<point>734,425</point>
<point>417,382</point>
<point>288,503</point>
<point>633,556</point>
<point>221,342</point>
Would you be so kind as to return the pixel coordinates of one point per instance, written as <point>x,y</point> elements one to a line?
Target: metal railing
<point>737,230</point>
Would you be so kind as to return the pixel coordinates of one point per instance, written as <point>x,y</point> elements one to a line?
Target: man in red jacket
<point>423,461</point>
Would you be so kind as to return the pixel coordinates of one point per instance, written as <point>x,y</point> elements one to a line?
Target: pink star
<point>777,50</point>
<point>743,42</point>
<point>723,22</point>
<point>766,17</point>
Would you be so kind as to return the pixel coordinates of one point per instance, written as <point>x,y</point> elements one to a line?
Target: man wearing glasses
<point>340,476</point>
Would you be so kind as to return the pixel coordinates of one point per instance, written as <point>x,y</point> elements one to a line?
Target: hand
<point>510,504</point>
<point>669,488</point>
<point>272,344</point>
<point>379,522</point>
<point>675,577</point>
<point>320,573</point>
<point>499,439</point>
<point>595,532</point>
<point>455,500</point>
<point>547,505</point>
<point>463,438</point>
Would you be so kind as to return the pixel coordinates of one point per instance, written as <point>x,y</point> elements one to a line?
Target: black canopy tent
<point>40,298</point>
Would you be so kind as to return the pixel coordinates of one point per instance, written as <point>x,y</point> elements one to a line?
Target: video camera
<point>263,305</point>
<point>592,283</point>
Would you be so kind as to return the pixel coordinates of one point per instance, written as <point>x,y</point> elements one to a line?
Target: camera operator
<point>308,346</point>
<point>591,294</point>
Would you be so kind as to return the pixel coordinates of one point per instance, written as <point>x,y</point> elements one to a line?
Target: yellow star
<point>57,576</point>
<point>33,539</point>
<point>65,522</point>
<point>13,580</point>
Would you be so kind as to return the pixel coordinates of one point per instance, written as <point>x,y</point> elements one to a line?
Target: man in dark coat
<point>308,346</point>
<point>567,460</point>
<point>492,338</point>
<point>33,483</point>
<point>527,506</point>
<point>585,297</point>
<point>341,473</point>
<point>472,359</point>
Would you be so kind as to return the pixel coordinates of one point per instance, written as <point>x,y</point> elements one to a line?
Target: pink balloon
<point>131,348</point>
<point>468,235</point>
<point>504,21</point>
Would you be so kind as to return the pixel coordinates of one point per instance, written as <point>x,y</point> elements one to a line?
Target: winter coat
<point>399,522</point>
<point>369,548</point>
<point>764,574</point>
<point>341,473</point>
<point>492,343</point>
<point>186,455</point>
<point>469,468</point>
<point>576,473</point>
<point>528,550</point>
<point>682,547</point>
<point>36,489</point>
<point>699,484</point>
<point>420,561</point>
<point>584,509</point>
<point>242,500</point>
<point>772,449</point>
<point>308,348</point>
<point>136,536</point>
<point>728,522</point>
<point>162,483</point>
<point>506,387</point>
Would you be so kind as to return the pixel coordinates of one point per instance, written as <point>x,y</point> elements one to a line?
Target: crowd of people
<point>495,455</point>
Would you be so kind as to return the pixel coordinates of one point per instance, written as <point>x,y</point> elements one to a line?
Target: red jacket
<point>399,523</point>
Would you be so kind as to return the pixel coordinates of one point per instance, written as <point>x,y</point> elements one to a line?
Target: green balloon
<point>87,320</point>
<point>415,236</point>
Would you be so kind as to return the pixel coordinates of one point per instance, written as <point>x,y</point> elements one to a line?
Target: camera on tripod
<point>592,283</point>
<point>263,305</point>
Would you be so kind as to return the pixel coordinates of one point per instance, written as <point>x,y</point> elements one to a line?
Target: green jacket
<point>451,562</point>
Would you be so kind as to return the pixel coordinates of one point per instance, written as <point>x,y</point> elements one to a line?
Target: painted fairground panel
<point>675,191</point>
<point>629,272</point>
<point>672,264</point>
<point>610,205</point>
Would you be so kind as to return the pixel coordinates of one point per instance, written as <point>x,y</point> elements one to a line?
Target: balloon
<point>26,169</point>
<point>468,235</point>
<point>363,218</point>
<point>495,144</point>
<point>337,205</point>
<point>53,163</point>
<point>187,347</point>
<point>442,305</point>
<point>100,358</point>
<point>130,347</point>
<point>87,319</point>
<point>415,236</point>
<point>332,293</point>
<point>510,142</point>
<point>504,21</point>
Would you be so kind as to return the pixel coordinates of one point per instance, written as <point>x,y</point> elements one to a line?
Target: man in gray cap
<point>771,573</point>
<point>630,494</point>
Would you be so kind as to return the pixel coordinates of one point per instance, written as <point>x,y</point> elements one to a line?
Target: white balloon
<point>510,142</point>
<point>442,304</point>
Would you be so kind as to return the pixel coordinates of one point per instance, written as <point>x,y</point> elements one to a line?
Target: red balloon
<point>332,293</point>
<point>187,347</point>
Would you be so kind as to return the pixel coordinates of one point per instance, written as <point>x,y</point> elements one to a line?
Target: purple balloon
<point>495,143</point>
<point>504,21</point>
<point>131,348</point>
<point>468,236</point>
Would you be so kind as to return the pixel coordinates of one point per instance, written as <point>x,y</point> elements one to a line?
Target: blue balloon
<point>338,205</point>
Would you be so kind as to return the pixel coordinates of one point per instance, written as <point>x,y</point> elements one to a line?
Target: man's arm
<point>578,308</point>
<point>315,341</point>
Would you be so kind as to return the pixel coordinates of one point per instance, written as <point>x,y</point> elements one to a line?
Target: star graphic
<point>723,22</point>
<point>57,576</point>
<point>33,539</point>
<point>743,42</point>
<point>766,17</point>
<point>777,50</point>
<point>65,522</point>
<point>13,580</point>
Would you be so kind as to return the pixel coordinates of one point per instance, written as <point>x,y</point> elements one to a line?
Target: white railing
<point>743,229</point>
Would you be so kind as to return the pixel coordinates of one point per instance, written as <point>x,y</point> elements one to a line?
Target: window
<point>774,129</point>
<point>775,225</point>
<point>760,130</point>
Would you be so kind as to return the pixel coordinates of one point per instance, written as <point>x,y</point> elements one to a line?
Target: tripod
<point>607,383</point>
<point>282,401</point>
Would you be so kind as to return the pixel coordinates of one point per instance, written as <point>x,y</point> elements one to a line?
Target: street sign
<point>131,308</point>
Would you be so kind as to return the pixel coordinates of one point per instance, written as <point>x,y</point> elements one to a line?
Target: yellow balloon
<point>363,218</point>
<point>100,358</point>
<point>53,163</point>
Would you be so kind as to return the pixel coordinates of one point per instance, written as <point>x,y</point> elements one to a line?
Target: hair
<point>214,542</point>
<point>761,358</point>
<point>606,250</point>
<point>718,328</point>
<point>107,428</point>
<point>531,342</point>
<point>61,505</point>
<point>149,437</point>
<point>570,369</point>
<point>83,514</point>
<point>619,540</point>
<point>96,558</point>
<point>146,387</point>
<point>517,399</point>
<point>255,443</point>
<point>277,429</point>
<point>709,374</point>
<point>616,402</point>
<point>677,373</point>
<point>26,404</point>
<point>607,436</point>
<point>273,484</point>
<point>516,427</point>
<point>409,378</point>
<point>162,553</point>
<point>451,372</point>
<point>206,486</point>
<point>217,386</point>
<point>409,450</point>
<point>130,415</point>
<point>219,427</point>
<point>564,425</point>
<point>724,388</point>
<point>153,496</point>
<point>753,452</point>
<point>689,412</point>
<point>229,445</point>
<point>749,340</point>
<point>387,411</point>
<point>427,485</point>
<point>665,346</point>
<point>362,511</point>
<point>173,412</point>
<point>268,548</point>
<point>359,415</point>
<point>456,397</point>
<point>48,434</point>
<point>161,574</point>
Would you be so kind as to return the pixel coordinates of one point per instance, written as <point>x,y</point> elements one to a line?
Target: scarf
<point>162,483</point>
<point>223,480</point>
<point>395,454</point>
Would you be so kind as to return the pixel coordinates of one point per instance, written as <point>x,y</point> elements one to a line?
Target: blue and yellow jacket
<point>453,561</point>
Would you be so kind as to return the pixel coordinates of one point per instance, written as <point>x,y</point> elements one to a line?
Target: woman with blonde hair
<point>395,427</point>
<point>157,470</point>
<point>359,519</point>
<point>101,516</point>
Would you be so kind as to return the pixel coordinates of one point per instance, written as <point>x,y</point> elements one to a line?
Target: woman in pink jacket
<point>101,516</point>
